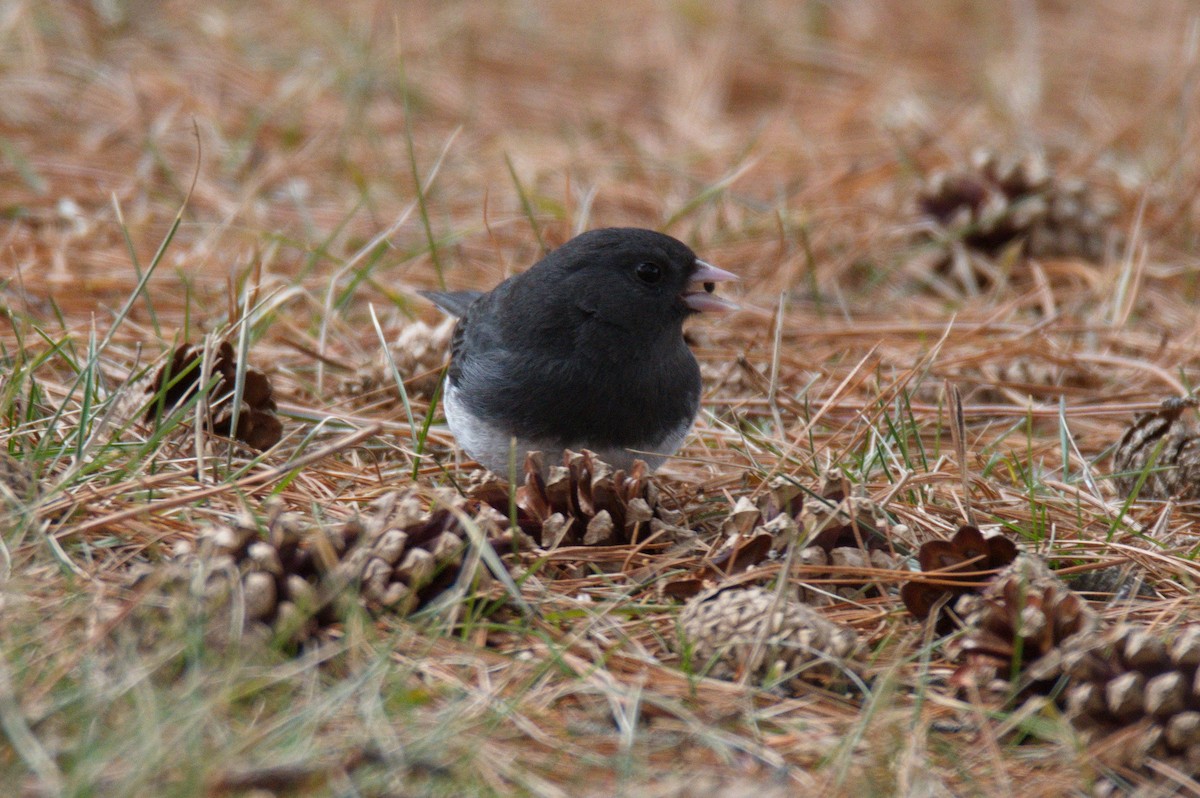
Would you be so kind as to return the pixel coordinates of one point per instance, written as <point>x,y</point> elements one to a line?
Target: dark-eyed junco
<point>584,350</point>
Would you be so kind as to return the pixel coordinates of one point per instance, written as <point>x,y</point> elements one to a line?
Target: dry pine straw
<point>842,416</point>
<point>861,349</point>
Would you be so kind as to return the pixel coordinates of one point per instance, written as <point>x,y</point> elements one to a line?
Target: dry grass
<point>331,159</point>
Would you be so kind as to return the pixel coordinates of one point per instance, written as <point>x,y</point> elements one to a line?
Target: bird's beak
<point>699,295</point>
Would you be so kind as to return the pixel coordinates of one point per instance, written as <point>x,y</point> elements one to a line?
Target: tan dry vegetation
<point>784,141</point>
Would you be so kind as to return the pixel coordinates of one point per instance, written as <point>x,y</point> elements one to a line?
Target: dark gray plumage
<point>583,350</point>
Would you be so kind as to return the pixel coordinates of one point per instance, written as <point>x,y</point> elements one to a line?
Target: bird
<point>583,350</point>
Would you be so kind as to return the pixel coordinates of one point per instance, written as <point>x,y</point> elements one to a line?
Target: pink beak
<point>700,297</point>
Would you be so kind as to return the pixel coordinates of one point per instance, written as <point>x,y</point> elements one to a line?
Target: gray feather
<point>453,302</point>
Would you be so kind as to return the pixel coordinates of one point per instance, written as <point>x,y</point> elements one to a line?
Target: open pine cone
<point>841,533</point>
<point>964,564</point>
<point>829,517</point>
<point>733,631</point>
<point>583,502</point>
<point>179,379</point>
<point>997,205</point>
<point>1020,628</point>
<point>1135,693</point>
<point>846,533</point>
<point>1164,448</point>
<point>419,352</point>
<point>406,556</point>
<point>842,536</point>
<point>290,577</point>
<point>240,578</point>
<point>997,201</point>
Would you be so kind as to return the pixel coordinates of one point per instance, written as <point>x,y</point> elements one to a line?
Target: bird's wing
<point>471,346</point>
<point>453,302</point>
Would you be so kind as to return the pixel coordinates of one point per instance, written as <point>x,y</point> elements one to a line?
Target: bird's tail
<point>453,302</point>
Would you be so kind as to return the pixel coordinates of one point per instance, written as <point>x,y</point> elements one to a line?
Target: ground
<point>287,176</point>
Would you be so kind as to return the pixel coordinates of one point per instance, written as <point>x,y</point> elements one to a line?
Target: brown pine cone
<point>1019,630</point>
<point>842,535</point>
<point>832,570</point>
<point>845,533</point>
<point>291,577</point>
<point>1162,448</point>
<point>996,208</point>
<point>829,517</point>
<point>240,577</point>
<point>1043,373</point>
<point>418,353</point>
<point>998,201</point>
<point>583,502</point>
<point>405,555</point>
<point>743,548</point>
<point>964,564</point>
<point>179,379</point>
<point>982,199</point>
<point>1135,694</point>
<point>735,631</point>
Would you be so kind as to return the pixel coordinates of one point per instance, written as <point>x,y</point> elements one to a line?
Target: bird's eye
<point>649,273</point>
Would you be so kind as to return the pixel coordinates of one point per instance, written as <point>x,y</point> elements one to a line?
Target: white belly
<point>496,450</point>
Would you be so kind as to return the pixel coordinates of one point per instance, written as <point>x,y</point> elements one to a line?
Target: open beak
<point>699,295</point>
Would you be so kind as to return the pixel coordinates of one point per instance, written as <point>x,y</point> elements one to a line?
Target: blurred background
<point>782,139</point>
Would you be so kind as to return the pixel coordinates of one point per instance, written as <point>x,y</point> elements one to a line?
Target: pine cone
<point>277,578</point>
<point>846,533</point>
<point>407,556</point>
<point>962,564</point>
<point>829,517</point>
<point>842,533</point>
<point>1044,374</point>
<point>1161,447</point>
<point>234,579</point>
<point>997,201</point>
<point>744,547</point>
<point>582,502</point>
<point>998,205</point>
<point>296,578</point>
<point>419,352</point>
<point>798,644</point>
<point>745,543</point>
<point>1140,687</point>
<point>1020,629</point>
<point>178,380</point>
<point>837,520</point>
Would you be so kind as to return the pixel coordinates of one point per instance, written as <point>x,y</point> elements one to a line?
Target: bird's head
<point>633,279</point>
